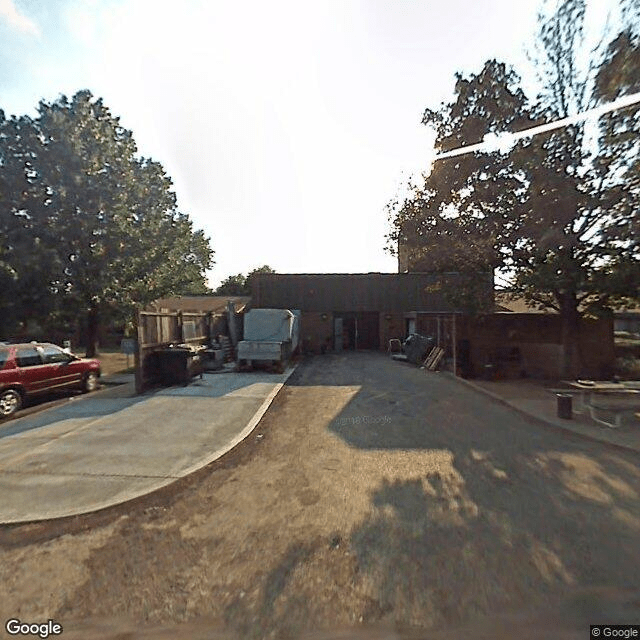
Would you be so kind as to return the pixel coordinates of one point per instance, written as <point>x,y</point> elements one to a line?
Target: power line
<point>505,140</point>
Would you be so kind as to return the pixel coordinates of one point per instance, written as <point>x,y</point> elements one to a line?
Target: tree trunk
<point>570,318</point>
<point>93,319</point>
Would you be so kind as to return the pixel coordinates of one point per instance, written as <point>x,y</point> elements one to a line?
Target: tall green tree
<point>576,248</point>
<point>555,213</point>
<point>108,218</point>
<point>26,260</point>
<point>250,276</point>
<point>619,160</point>
<point>462,215</point>
<point>232,286</point>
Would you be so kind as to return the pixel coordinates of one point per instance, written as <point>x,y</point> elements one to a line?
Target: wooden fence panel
<point>160,329</point>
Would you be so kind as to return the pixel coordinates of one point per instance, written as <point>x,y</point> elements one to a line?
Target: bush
<point>628,368</point>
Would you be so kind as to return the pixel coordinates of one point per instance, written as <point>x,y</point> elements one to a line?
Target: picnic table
<point>617,398</point>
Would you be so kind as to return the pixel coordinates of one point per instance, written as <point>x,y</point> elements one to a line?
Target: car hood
<point>93,361</point>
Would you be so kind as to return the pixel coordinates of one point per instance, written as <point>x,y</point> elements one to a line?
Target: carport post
<point>455,353</point>
<point>438,318</point>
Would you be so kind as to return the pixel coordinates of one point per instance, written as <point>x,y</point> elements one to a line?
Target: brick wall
<point>391,326</point>
<point>539,339</point>
<point>597,347</point>
<point>316,331</point>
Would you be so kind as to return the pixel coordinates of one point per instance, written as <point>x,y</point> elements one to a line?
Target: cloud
<point>15,19</point>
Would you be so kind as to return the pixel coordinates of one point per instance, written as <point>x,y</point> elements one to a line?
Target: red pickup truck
<point>32,368</point>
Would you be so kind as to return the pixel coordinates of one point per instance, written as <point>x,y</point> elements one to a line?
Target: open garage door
<point>359,330</point>
<point>368,330</point>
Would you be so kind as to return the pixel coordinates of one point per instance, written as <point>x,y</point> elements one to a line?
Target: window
<point>28,357</point>
<point>4,356</point>
<point>51,354</point>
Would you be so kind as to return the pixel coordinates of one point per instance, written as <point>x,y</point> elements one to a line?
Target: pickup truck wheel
<point>10,402</point>
<point>90,382</point>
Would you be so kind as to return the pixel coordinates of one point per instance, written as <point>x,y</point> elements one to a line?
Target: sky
<point>286,126</point>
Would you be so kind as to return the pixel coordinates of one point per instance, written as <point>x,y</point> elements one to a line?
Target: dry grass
<point>114,362</point>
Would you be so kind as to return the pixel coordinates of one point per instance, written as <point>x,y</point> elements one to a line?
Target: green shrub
<point>628,368</point>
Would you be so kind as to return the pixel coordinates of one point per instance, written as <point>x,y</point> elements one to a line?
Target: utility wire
<point>504,140</point>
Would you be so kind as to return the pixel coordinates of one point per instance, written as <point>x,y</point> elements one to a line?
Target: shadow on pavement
<point>89,407</point>
<point>517,515</point>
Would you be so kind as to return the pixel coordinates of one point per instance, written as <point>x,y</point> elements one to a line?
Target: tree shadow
<point>85,407</point>
<point>516,514</point>
<point>287,618</point>
<point>446,548</point>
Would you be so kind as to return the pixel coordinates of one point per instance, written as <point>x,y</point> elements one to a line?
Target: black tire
<point>10,402</point>
<point>90,382</point>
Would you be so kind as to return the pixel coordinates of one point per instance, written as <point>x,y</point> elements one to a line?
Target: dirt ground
<point>371,497</point>
<point>114,362</point>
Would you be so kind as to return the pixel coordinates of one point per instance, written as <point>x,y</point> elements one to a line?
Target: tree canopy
<point>88,225</point>
<point>240,285</point>
<point>556,215</point>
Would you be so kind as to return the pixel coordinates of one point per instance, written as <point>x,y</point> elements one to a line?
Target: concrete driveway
<point>109,447</point>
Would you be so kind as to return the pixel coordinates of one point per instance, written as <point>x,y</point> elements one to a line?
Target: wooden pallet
<point>433,359</point>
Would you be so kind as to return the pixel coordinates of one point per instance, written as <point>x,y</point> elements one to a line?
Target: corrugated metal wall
<point>357,292</point>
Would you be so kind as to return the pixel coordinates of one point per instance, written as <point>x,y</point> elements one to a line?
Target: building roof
<point>196,304</point>
<point>504,303</point>
<point>627,312</point>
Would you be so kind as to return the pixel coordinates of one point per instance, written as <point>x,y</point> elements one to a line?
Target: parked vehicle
<point>29,369</point>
